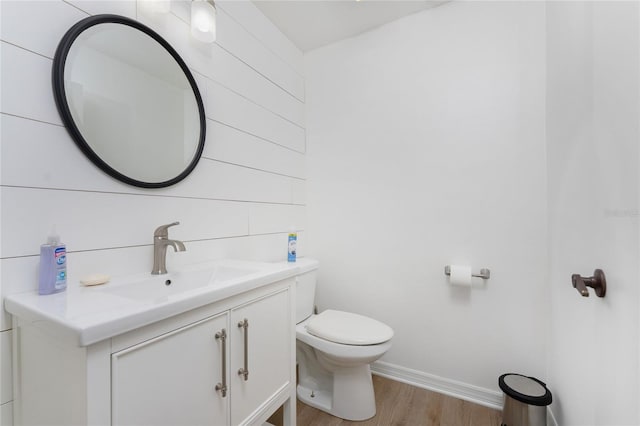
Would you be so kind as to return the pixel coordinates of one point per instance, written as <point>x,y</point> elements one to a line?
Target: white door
<point>268,350</point>
<point>593,99</point>
<point>171,380</point>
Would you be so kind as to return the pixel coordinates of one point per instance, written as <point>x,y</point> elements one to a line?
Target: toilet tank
<point>306,291</point>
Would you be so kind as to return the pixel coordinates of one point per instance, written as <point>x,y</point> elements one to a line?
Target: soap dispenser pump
<point>53,265</point>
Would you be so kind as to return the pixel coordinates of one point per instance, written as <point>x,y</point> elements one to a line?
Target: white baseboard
<point>467,392</point>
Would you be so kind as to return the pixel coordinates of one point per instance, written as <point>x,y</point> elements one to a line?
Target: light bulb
<point>203,21</point>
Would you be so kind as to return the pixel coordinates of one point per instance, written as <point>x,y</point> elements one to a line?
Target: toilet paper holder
<point>485,273</point>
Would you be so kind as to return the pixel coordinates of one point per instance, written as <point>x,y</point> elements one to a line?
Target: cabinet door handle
<point>245,371</point>
<point>222,387</point>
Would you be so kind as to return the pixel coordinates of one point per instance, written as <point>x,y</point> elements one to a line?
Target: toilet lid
<point>348,328</point>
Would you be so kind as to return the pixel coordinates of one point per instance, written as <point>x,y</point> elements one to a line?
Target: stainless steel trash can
<point>525,400</point>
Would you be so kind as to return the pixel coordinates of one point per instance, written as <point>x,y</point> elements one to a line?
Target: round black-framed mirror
<point>129,101</point>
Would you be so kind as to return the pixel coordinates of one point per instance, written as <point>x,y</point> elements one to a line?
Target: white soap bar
<point>95,279</point>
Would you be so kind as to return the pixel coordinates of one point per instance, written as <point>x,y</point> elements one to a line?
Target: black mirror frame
<point>57,78</point>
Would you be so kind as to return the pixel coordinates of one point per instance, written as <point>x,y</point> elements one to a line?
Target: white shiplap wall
<point>245,194</point>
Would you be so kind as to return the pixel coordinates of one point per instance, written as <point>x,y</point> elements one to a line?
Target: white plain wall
<point>426,148</point>
<point>240,201</point>
<point>593,134</point>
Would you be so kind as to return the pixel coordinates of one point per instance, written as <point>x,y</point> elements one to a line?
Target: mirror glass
<point>129,101</point>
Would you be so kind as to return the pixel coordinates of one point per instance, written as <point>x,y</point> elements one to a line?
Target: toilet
<point>334,350</point>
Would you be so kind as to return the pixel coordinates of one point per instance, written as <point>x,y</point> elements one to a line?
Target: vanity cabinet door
<point>171,379</point>
<point>268,351</point>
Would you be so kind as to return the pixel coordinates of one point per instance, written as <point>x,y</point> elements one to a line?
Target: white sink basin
<point>92,314</point>
<point>161,288</point>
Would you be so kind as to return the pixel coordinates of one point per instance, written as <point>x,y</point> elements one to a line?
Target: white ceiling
<point>310,24</point>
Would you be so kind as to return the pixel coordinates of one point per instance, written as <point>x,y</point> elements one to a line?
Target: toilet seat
<point>348,328</point>
<point>355,353</point>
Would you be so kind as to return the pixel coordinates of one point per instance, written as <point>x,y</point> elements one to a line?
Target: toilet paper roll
<point>460,275</point>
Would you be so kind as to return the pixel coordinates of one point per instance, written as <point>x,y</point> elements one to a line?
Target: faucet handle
<point>162,231</point>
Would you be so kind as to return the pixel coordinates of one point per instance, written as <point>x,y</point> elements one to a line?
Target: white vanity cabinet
<point>183,368</point>
<point>265,345</point>
<point>171,372</point>
<point>171,379</point>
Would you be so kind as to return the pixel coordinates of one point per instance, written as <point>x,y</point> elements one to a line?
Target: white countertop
<point>92,314</point>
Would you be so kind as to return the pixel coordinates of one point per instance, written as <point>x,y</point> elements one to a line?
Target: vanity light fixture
<point>203,20</point>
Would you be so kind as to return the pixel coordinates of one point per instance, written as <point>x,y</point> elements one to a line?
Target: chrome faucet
<point>160,243</point>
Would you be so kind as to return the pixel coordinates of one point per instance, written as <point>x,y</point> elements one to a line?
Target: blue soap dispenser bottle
<point>53,265</point>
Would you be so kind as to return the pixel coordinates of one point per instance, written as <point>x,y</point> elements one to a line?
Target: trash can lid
<point>525,389</point>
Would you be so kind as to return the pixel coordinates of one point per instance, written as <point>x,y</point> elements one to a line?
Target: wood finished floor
<point>399,404</point>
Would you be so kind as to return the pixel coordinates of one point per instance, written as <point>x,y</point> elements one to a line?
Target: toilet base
<point>352,396</point>
<point>315,398</point>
